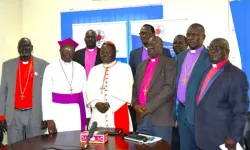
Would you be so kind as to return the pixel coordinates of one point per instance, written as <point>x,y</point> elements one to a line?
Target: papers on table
<point>238,147</point>
<point>152,139</point>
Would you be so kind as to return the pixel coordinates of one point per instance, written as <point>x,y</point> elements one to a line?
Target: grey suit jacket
<point>160,96</point>
<point>8,85</point>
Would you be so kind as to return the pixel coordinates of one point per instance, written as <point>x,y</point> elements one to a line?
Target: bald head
<point>155,47</point>
<point>157,39</point>
<point>25,48</point>
<point>90,31</point>
<point>218,50</point>
<point>90,39</point>
<point>198,26</point>
<point>222,41</point>
<point>24,39</point>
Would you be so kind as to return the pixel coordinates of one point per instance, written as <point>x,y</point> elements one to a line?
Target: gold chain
<point>20,83</point>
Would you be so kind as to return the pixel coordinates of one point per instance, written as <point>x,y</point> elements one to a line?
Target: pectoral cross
<point>102,89</point>
<point>184,80</point>
<point>71,90</point>
<point>145,91</point>
<point>22,96</point>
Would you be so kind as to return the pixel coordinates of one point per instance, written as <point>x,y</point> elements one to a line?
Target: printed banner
<point>110,31</point>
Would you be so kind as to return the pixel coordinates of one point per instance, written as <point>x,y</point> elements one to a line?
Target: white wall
<point>10,30</point>
<point>10,27</point>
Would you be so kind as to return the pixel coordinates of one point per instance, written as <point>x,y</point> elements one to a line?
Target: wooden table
<point>70,140</point>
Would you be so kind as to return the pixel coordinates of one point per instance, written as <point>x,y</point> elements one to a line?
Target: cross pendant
<point>71,90</point>
<point>145,91</point>
<point>22,96</point>
<point>102,89</point>
<point>184,80</point>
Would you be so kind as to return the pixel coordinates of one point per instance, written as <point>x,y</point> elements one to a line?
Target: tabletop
<point>71,141</point>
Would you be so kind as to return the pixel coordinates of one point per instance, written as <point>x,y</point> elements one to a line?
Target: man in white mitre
<point>110,91</point>
<point>63,92</point>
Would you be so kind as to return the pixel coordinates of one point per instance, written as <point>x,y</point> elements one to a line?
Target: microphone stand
<point>87,143</point>
<point>91,133</point>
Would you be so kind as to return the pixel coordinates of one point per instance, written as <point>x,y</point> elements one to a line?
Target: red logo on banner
<point>159,30</point>
<point>100,37</point>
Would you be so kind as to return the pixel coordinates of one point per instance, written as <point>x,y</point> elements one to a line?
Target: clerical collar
<point>91,50</point>
<point>154,59</point>
<point>220,64</point>
<point>25,62</point>
<point>145,48</point>
<point>110,64</point>
<point>197,50</point>
<point>193,51</point>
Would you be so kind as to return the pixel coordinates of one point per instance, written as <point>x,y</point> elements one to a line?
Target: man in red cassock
<point>109,91</point>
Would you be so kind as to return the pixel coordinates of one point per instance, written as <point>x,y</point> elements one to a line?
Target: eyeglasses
<point>214,47</point>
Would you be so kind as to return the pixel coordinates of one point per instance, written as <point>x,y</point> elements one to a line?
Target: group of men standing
<point>90,85</point>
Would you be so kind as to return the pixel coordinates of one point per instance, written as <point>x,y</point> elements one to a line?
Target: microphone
<point>92,130</point>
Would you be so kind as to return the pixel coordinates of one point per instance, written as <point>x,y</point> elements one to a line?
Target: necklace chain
<point>20,84</point>
<point>102,88</point>
<point>186,64</point>
<point>146,87</point>
<point>70,83</point>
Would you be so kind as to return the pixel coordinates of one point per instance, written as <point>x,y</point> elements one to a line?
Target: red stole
<point>25,72</point>
<point>209,76</point>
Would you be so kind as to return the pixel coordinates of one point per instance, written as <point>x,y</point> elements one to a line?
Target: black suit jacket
<point>136,58</point>
<point>223,108</point>
<point>80,57</point>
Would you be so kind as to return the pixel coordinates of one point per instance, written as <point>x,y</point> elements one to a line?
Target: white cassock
<point>118,83</point>
<point>61,104</point>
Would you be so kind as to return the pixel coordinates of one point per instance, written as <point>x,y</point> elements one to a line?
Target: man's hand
<point>51,127</point>
<point>230,143</point>
<point>102,107</point>
<point>142,111</point>
<point>3,125</point>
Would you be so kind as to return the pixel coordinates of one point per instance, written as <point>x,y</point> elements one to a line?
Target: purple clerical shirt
<point>144,54</point>
<point>186,71</point>
<point>90,56</point>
